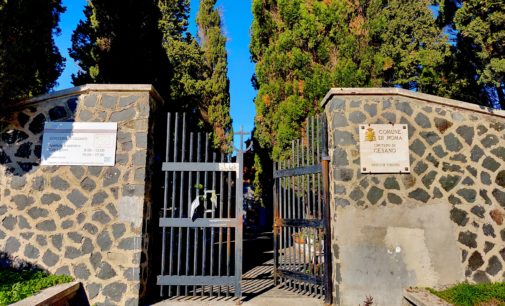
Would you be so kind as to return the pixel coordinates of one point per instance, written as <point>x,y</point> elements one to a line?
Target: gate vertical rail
<point>202,201</point>
<point>302,234</point>
<point>325,163</point>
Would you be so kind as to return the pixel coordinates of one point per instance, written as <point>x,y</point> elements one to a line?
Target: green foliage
<point>183,53</point>
<point>173,18</point>
<point>147,42</point>
<point>17,285</point>
<point>474,71</point>
<point>411,48</point>
<point>199,83</point>
<point>471,295</point>
<point>302,48</point>
<point>120,42</point>
<point>29,60</point>
<point>215,100</point>
<point>481,34</point>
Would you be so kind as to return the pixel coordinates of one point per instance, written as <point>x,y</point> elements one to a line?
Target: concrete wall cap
<point>410,94</point>
<point>59,294</point>
<point>422,297</point>
<point>83,89</point>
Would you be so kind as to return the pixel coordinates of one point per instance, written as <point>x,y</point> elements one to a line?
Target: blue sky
<point>236,17</point>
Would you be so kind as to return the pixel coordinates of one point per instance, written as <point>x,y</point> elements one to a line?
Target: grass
<point>16,285</point>
<point>474,295</point>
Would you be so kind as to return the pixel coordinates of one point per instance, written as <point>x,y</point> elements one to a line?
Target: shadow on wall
<point>8,262</point>
<point>21,135</point>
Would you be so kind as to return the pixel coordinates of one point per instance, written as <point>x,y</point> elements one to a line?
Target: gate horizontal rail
<point>191,167</point>
<point>177,222</point>
<point>300,223</point>
<point>298,171</point>
<point>197,280</point>
<point>315,280</point>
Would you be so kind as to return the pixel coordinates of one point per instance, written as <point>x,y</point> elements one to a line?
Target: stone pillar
<point>87,222</point>
<point>440,224</point>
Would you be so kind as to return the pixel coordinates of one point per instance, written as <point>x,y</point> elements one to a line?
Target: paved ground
<point>257,283</point>
<point>258,290</point>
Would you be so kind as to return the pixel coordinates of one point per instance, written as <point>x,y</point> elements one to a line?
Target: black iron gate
<point>302,258</point>
<point>201,217</point>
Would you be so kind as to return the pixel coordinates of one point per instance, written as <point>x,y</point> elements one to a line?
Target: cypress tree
<point>408,45</point>
<point>304,48</point>
<point>120,42</point>
<point>30,63</point>
<point>481,34</point>
<point>184,55</point>
<point>474,71</point>
<point>83,40</point>
<point>174,18</point>
<point>215,99</point>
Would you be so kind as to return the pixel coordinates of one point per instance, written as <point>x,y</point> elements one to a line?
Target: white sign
<point>384,148</point>
<point>79,143</point>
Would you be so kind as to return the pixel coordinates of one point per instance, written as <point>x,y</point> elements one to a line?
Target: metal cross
<point>242,133</point>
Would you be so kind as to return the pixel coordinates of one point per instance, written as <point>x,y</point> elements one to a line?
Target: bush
<point>16,285</point>
<point>471,295</point>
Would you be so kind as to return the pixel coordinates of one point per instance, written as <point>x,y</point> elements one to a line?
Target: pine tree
<point>120,42</point>
<point>30,63</point>
<point>215,103</point>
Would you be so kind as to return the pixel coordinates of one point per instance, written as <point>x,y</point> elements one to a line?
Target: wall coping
<point>422,297</point>
<point>83,89</point>
<point>411,94</point>
<point>59,294</point>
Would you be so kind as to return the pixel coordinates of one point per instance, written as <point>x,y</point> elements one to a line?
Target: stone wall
<point>88,222</point>
<point>440,224</point>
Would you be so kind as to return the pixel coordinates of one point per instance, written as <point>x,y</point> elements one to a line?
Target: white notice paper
<point>79,143</point>
<point>384,148</point>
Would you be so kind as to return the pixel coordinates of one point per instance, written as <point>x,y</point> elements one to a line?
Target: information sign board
<point>79,143</point>
<point>384,148</point>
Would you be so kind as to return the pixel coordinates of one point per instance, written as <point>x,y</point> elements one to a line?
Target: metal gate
<point>201,217</point>
<point>302,258</point>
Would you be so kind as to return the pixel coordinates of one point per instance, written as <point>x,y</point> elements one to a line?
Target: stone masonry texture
<point>451,204</point>
<point>87,222</point>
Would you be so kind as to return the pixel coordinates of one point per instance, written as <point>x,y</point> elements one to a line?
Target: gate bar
<point>239,198</point>
<point>181,201</point>
<point>326,197</point>
<point>165,194</point>
<point>276,226</point>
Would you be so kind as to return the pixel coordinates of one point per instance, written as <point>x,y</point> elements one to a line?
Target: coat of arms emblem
<point>370,134</point>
